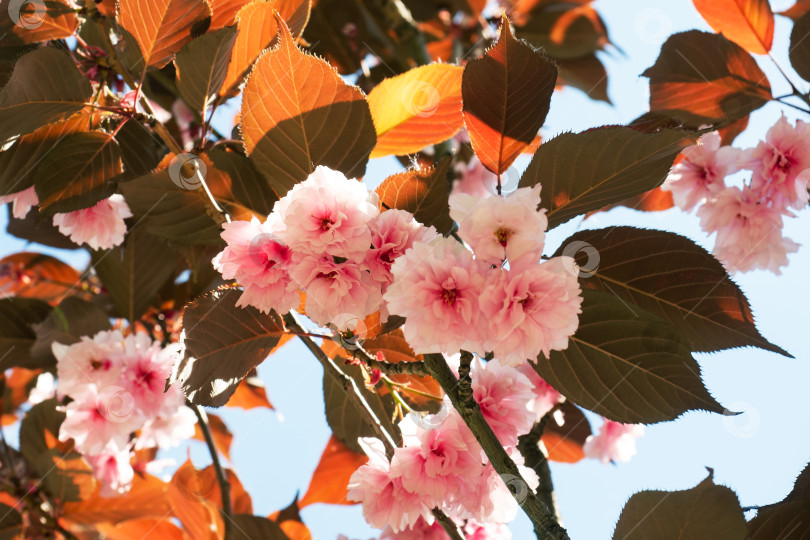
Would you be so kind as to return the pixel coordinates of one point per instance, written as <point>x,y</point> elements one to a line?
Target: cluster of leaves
<point>67,130</point>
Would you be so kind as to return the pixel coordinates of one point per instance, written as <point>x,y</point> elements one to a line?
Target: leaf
<point>701,78</point>
<point>565,433</point>
<point>17,315</point>
<point>76,173</point>
<point>587,74</point>
<point>331,477</point>
<point>145,499</point>
<point>41,20</point>
<point>748,23</point>
<point>246,187</point>
<point>671,277</point>
<point>133,272</point>
<point>627,365</point>
<point>565,30</point>
<point>788,518</point>
<point>160,27</point>
<point>45,87</point>
<point>416,109</point>
<point>258,29</point>
<point>654,200</point>
<point>141,528</point>
<point>800,47</point>
<point>66,324</point>
<point>202,65</point>
<point>36,275</point>
<point>224,12</point>
<point>39,425</point>
<point>298,113</point>
<point>585,171</point>
<point>250,394</point>
<point>507,95</point>
<point>247,527</point>
<point>705,511</point>
<point>223,343</point>
<point>188,497</point>
<point>797,10</point>
<point>219,432</point>
<point>11,523</point>
<point>141,149</point>
<point>422,192</point>
<point>37,228</point>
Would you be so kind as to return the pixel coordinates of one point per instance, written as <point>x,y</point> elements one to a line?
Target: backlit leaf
<point>416,109</point>
<point>202,65</point>
<point>298,113</point>
<point>565,433</point>
<point>748,23</point>
<point>422,192</point>
<point>250,394</point>
<point>36,275</point>
<point>188,497</point>
<point>224,12</point>
<point>331,476</point>
<point>507,94</point>
<point>31,22</point>
<point>247,527</point>
<point>219,432</point>
<point>145,499</point>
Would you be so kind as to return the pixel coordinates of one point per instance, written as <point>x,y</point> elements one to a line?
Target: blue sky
<point>758,453</point>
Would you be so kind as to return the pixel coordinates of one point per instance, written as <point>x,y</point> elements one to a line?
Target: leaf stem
<point>543,519</point>
<point>224,485</point>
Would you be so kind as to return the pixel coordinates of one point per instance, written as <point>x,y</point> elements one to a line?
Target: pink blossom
<point>476,180</point>
<point>486,531</point>
<point>328,213</point>
<point>113,470</point>
<point>173,425</point>
<point>531,310</point>
<point>260,262</point>
<point>147,366</point>
<point>436,287</point>
<point>749,233</point>
<point>701,172</point>
<point>101,226</point>
<point>615,442</point>
<point>385,500</point>
<point>497,227</point>
<point>392,233</point>
<point>96,418</point>
<point>489,499</point>
<point>421,530</point>
<point>335,289</point>
<point>503,393</point>
<point>780,164</point>
<point>95,360</point>
<point>21,202</point>
<point>545,396</point>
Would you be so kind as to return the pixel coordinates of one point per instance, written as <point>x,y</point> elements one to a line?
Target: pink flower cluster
<point>747,218</point>
<point>101,226</point>
<point>458,298</point>
<point>326,237</point>
<point>615,442</point>
<point>116,387</point>
<point>442,465</point>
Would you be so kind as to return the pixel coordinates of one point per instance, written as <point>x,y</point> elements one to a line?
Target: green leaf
<point>17,335</point>
<point>248,188</point>
<point>422,192</point>
<point>787,519</point>
<point>180,215</point>
<point>66,324</point>
<point>202,65</point>
<point>585,171</point>
<point>705,511</point>
<point>135,271</point>
<point>627,365</point>
<point>672,277</point>
<point>247,527</point>
<point>799,51</point>
<point>222,343</point>
<point>45,87</point>
<point>76,173</point>
<point>702,78</point>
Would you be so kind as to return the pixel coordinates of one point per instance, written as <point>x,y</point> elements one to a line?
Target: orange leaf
<point>31,22</point>
<point>295,530</point>
<point>34,275</point>
<point>257,30</point>
<point>188,497</point>
<point>141,528</point>
<point>748,23</point>
<point>565,434</point>
<point>219,432</point>
<point>224,12</point>
<point>298,113</point>
<point>416,109</point>
<point>507,94</point>
<point>145,499</point>
<point>422,192</point>
<point>250,394</point>
<point>797,10</point>
<point>331,476</point>
<point>160,27</point>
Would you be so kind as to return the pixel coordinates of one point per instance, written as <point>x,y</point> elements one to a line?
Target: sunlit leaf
<point>331,476</point>
<point>416,109</point>
<point>145,499</point>
<point>188,497</point>
<point>748,23</point>
<point>507,95</point>
<point>36,275</point>
<point>250,394</point>
<point>797,10</point>
<point>565,433</point>
<point>142,528</point>
<point>298,113</point>
<point>31,22</point>
<point>422,192</point>
<point>627,365</point>
<point>224,12</point>
<point>247,527</point>
<point>219,432</point>
<point>202,65</point>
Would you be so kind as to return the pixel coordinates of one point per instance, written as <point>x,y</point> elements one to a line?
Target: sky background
<point>758,453</point>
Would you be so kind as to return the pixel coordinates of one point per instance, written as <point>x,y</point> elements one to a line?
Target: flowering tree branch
<point>389,368</point>
<point>542,517</point>
<point>536,458</point>
<point>222,480</point>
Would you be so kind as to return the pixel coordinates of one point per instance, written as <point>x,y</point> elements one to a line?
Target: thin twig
<point>224,485</point>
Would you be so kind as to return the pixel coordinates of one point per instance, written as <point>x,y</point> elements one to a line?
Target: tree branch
<point>224,485</point>
<point>542,517</point>
<point>389,368</point>
<point>536,458</point>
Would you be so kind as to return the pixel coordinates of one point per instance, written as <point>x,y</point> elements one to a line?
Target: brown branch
<point>536,458</point>
<point>389,368</point>
<point>222,480</point>
<point>541,516</point>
